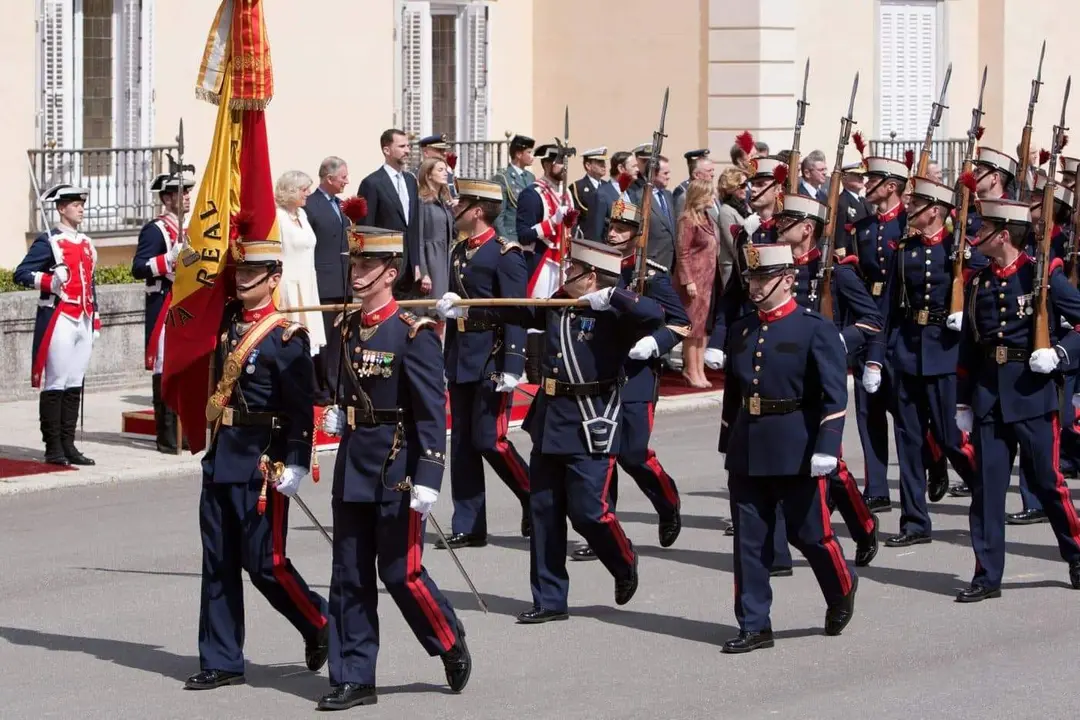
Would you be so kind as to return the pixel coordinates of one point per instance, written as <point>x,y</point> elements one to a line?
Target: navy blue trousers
<point>236,538</point>
<point>871,412</point>
<point>926,403</point>
<point>754,505</point>
<point>1038,441</point>
<point>640,462</point>
<point>372,542</point>
<point>574,486</point>
<point>480,419</point>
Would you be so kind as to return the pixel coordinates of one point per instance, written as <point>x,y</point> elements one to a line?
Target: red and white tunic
<point>547,274</point>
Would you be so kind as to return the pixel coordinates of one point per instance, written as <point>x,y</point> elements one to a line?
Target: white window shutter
<point>416,68</point>
<point>57,74</point>
<point>907,58</point>
<point>130,56</point>
<point>146,74</point>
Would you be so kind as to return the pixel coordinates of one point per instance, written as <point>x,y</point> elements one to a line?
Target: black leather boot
<point>69,420</point>
<point>49,416</point>
<point>534,351</point>
<point>164,421</point>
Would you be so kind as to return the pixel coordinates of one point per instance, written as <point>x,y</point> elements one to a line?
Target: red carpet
<point>672,383</point>
<point>17,468</point>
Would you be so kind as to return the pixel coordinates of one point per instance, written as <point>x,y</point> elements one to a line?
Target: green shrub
<point>111,275</point>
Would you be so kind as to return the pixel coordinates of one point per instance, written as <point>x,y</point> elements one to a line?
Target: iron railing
<point>118,179</point>
<point>948,153</point>
<point>476,159</point>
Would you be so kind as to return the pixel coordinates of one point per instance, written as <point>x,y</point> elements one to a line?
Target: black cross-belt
<point>236,417</point>
<point>555,387</point>
<point>358,416</point>
<point>763,406</point>
<point>927,317</point>
<point>1001,354</point>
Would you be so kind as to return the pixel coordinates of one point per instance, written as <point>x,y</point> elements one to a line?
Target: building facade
<point>96,88</point>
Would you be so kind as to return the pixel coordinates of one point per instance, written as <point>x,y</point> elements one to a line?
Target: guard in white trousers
<point>60,263</point>
<point>160,242</point>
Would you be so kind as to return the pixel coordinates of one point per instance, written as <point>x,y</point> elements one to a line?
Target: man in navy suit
<point>661,242</point>
<point>392,201</point>
<point>622,163</point>
<point>815,174</point>
<point>331,246</point>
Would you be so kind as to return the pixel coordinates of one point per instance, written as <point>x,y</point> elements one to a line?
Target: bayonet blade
<point>663,109</point>
<point>945,85</point>
<point>1065,103</point>
<point>854,90</point>
<point>566,125</point>
<point>805,80</point>
<point>1042,54</point>
<point>982,88</point>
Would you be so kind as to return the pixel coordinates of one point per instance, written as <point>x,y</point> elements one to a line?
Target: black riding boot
<point>164,421</point>
<point>534,353</point>
<point>69,420</point>
<point>49,415</point>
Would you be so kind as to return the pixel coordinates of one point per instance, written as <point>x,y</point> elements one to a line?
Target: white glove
<point>560,213</point>
<point>965,419</point>
<point>599,300</point>
<point>290,480</point>
<point>871,378</point>
<point>333,421</point>
<point>1066,324</point>
<point>423,499</point>
<point>644,349</point>
<point>1044,361</point>
<point>751,224</point>
<point>61,274</point>
<point>507,382</point>
<point>843,342</point>
<point>446,308</point>
<point>955,321</point>
<point>97,334</point>
<point>821,464</point>
<point>714,359</point>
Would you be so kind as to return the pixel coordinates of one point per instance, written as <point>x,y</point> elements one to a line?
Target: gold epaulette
<point>416,323</point>
<point>291,329</point>
<point>508,245</point>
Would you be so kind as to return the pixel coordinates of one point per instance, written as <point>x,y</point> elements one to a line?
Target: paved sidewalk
<point>121,459</point>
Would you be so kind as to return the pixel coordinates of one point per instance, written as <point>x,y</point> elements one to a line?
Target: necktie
<point>403,194</point>
<point>663,204</point>
<point>336,204</point>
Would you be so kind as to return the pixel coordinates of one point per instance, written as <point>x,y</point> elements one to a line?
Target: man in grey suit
<point>513,179</point>
<point>661,241</point>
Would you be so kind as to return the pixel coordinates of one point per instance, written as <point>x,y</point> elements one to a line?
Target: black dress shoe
<point>960,490</point>
<point>1027,517</point>
<point>878,504</point>
<point>748,642</point>
<point>838,616</point>
<point>937,481</point>
<point>460,540</point>
<point>348,695</point>
<point>625,589</point>
<point>783,571</point>
<point>317,649</point>
<point>1074,574</point>
<point>583,554</point>
<point>537,615</point>
<point>729,531</point>
<point>210,679</point>
<point>458,662</point>
<point>907,540</point>
<point>77,458</point>
<point>866,550</point>
<point>669,529</point>
<point>976,593</point>
<point>526,524</point>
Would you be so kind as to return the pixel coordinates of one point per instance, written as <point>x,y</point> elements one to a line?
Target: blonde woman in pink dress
<point>695,272</point>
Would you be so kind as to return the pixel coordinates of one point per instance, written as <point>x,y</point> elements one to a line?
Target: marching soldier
<point>574,423</point>
<point>160,242</point>
<point>994,174</point>
<point>1068,172</point>
<point>260,451</point>
<point>387,478</point>
<point>484,363</point>
<point>515,178</point>
<point>60,265</point>
<point>800,225</point>
<point>923,354</point>
<point>584,190</point>
<point>787,382</point>
<point>1007,397</point>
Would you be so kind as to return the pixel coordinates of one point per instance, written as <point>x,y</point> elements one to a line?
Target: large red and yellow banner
<point>236,75</point>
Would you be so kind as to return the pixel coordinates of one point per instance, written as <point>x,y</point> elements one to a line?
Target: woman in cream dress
<point>298,284</point>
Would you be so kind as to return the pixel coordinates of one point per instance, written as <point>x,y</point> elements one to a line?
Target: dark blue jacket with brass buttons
<point>854,312</point>
<point>876,239</point>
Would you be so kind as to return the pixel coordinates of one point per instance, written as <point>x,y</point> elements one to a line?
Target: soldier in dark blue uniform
<point>800,225</point>
<point>1007,397</point>
<point>574,423</point>
<point>484,363</point>
<point>585,188</point>
<point>392,421</point>
<point>160,242</point>
<point>786,381</point>
<point>640,392</point>
<point>923,354</point>
<point>262,413</point>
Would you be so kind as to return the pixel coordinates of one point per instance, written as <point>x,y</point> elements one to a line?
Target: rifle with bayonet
<point>1025,190</point>
<point>1046,237</point>
<point>1072,252</point>
<point>646,195</point>
<point>565,153</point>
<point>825,271</point>
<point>794,159</point>
<point>960,249</point>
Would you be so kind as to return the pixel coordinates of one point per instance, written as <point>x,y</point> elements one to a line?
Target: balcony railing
<point>477,159</point>
<point>948,153</point>
<point>118,179</point>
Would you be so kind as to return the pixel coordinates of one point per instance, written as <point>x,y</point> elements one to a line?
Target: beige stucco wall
<point>511,52</point>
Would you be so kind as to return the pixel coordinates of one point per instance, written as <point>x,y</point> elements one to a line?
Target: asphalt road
<point>99,601</point>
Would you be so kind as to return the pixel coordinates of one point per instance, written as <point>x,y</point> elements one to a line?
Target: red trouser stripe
<point>830,543</point>
<point>608,518</point>
<point>1062,488</point>
<point>502,445</point>
<point>420,592</point>
<point>866,518</point>
<point>278,510</point>
<point>935,449</point>
<point>155,334</point>
<point>667,486</point>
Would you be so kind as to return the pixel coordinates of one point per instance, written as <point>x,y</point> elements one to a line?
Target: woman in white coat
<point>298,282</point>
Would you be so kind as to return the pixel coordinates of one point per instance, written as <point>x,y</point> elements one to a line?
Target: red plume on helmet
<point>745,141</point>
<point>909,159</point>
<point>625,181</point>
<point>860,143</point>
<point>451,160</point>
<point>355,208</point>
<point>979,132</point>
<point>241,225</point>
<point>1044,156</point>
<point>967,179</point>
<point>780,174</point>
<point>1064,142</point>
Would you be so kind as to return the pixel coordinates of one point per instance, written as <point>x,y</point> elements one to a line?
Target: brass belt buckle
<point>350,416</point>
<point>1001,354</point>
<point>878,287</point>
<point>461,324</point>
<point>227,416</point>
<point>754,404</point>
<point>549,386</point>
<point>923,317</point>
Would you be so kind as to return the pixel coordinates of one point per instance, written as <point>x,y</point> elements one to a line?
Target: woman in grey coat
<point>436,227</point>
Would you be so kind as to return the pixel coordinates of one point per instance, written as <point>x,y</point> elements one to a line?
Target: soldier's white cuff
<point>1062,353</point>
